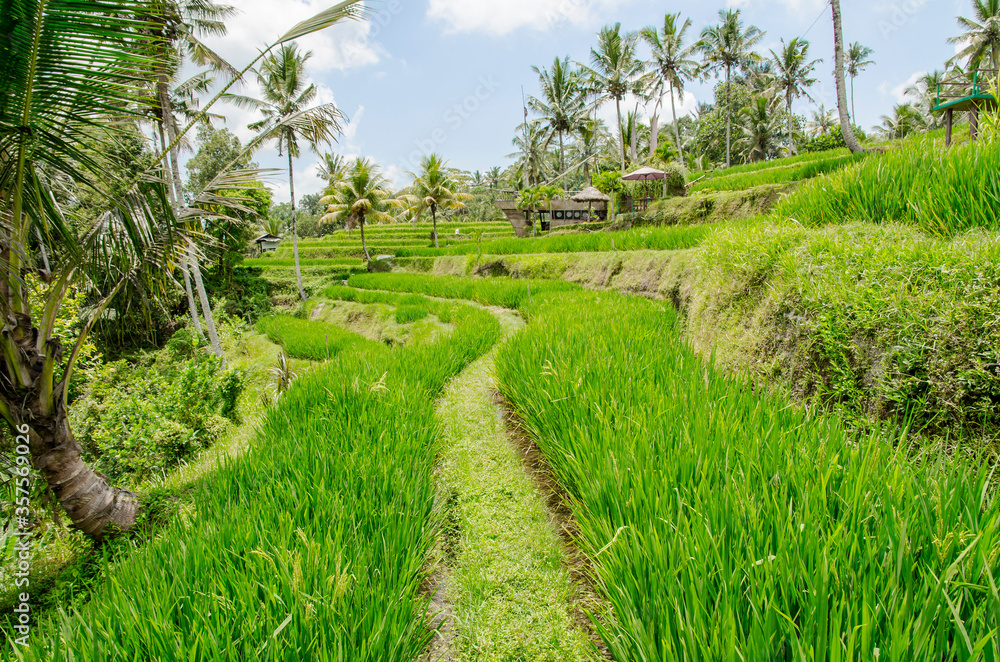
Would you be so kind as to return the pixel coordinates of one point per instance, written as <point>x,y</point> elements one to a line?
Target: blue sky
<point>446,75</point>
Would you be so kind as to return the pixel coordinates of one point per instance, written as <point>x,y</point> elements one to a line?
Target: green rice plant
<point>313,545</point>
<point>941,191</point>
<point>410,313</point>
<point>727,524</point>
<point>516,294</point>
<point>780,173</point>
<point>659,239</point>
<point>305,339</point>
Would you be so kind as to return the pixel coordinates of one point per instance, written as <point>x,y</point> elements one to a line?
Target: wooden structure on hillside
<point>960,94</point>
<point>564,212</point>
<point>267,243</point>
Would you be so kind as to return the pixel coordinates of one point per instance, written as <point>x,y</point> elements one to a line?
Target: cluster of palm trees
<point>752,117</point>
<point>358,194</point>
<point>570,94</point>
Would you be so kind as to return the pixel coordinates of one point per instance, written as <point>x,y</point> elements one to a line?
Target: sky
<point>446,76</point>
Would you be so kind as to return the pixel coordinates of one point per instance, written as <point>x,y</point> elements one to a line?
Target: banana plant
<point>72,79</point>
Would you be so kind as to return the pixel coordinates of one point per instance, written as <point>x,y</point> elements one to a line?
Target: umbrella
<point>646,174</point>
<point>590,195</point>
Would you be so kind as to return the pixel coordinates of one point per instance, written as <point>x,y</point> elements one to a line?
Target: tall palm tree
<point>616,70</point>
<point>562,106</point>
<point>674,62</point>
<point>838,72</point>
<point>728,47</point>
<point>793,76</point>
<point>289,119</point>
<point>176,29</point>
<point>857,61</point>
<point>436,189</point>
<point>981,39</point>
<point>362,196</point>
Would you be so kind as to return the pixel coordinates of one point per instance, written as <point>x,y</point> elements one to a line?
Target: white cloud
<point>501,18</point>
<point>898,92</point>
<point>346,45</point>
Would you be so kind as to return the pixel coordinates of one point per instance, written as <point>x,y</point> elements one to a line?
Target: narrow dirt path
<point>504,590</point>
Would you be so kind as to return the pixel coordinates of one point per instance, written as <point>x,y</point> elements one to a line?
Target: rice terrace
<point>468,331</point>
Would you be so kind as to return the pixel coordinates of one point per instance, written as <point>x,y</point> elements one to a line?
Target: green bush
<point>139,420</point>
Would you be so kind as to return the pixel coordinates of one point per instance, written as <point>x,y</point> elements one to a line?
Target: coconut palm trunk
<point>364,246</point>
<point>621,130</point>
<point>729,120</point>
<point>845,121</point>
<point>854,115</point>
<point>677,128</point>
<point>295,230</point>
<point>791,124</point>
<point>435,221</point>
<point>562,158</point>
<point>36,409</point>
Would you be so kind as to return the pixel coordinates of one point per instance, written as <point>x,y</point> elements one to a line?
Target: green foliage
<point>136,421</point>
<point>701,500</point>
<point>941,191</point>
<point>322,529</point>
<point>410,313</point>
<point>823,143</point>
<point>609,182</point>
<point>306,339</point>
<point>780,171</point>
<point>244,294</point>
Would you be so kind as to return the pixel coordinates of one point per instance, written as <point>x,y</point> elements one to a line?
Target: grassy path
<point>505,585</point>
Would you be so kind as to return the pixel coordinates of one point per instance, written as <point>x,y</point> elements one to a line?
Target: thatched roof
<point>590,194</point>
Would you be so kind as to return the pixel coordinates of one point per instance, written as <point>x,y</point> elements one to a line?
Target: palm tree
<point>493,177</point>
<point>530,142</point>
<point>673,60</point>
<point>616,70</point>
<point>857,61</point>
<point>362,196</point>
<point>924,92</point>
<point>761,128</point>
<point>436,189</point>
<point>905,120</point>
<point>726,47</point>
<point>562,107</point>
<point>288,118</point>
<point>981,39</point>
<point>72,76</point>
<point>822,122</point>
<point>793,77</point>
<point>838,71</point>
<point>332,168</point>
<point>546,194</point>
<point>528,201</point>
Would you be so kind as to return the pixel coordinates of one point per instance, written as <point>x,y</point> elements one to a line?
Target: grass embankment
<point>507,586</point>
<point>727,524</point>
<point>511,294</point>
<point>306,339</point>
<point>629,240</point>
<point>312,545</point>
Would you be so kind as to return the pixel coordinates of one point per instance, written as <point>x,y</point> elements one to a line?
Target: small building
<point>267,243</point>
